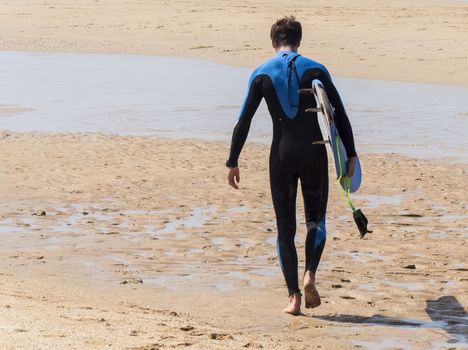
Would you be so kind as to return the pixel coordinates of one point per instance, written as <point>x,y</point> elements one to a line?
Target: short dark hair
<point>286,31</point>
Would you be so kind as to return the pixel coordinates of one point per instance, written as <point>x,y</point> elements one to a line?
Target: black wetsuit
<point>293,155</point>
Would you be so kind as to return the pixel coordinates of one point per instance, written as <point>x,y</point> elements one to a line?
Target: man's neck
<point>286,49</point>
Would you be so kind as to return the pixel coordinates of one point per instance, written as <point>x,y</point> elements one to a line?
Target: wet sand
<point>424,40</point>
<point>132,253</point>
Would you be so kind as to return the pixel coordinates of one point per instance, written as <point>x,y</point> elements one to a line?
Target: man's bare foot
<point>294,307</point>
<point>311,295</point>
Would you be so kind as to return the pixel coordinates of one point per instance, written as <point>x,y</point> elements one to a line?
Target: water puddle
<point>9,227</point>
<point>265,271</point>
<point>63,224</point>
<point>81,218</point>
<point>141,212</point>
<point>194,281</point>
<point>117,259</point>
<point>238,210</point>
<point>382,344</point>
<point>72,225</point>
<point>405,285</point>
<point>238,275</point>
<point>362,256</point>
<point>453,217</point>
<point>215,279</point>
<point>197,218</point>
<point>66,92</point>
<point>271,241</point>
<point>217,241</point>
<point>452,233</point>
<point>366,287</point>
<point>375,201</point>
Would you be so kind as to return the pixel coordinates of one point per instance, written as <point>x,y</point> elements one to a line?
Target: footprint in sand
<point>221,336</point>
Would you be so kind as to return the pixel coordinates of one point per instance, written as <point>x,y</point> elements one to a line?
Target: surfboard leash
<point>358,216</point>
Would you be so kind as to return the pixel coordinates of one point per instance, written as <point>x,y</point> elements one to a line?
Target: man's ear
<point>273,44</point>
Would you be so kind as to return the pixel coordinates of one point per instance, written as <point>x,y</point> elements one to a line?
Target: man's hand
<point>233,177</point>
<point>351,166</point>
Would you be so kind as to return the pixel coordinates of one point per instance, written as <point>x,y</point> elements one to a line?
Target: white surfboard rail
<point>325,114</point>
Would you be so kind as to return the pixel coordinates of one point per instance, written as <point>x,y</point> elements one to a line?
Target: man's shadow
<point>445,313</point>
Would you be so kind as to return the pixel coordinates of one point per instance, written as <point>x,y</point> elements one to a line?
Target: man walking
<point>293,156</point>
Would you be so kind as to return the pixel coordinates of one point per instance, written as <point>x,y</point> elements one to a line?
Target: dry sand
<point>420,40</point>
<point>143,245</point>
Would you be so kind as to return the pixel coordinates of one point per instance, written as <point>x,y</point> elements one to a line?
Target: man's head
<point>286,32</point>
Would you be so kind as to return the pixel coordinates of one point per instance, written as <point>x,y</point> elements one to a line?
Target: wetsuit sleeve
<point>241,130</point>
<point>341,118</point>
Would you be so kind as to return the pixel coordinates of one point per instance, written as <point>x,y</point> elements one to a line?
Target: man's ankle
<point>309,275</point>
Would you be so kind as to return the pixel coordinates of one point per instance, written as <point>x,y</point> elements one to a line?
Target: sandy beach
<point>126,242</point>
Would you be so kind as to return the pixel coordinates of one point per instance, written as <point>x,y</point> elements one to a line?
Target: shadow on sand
<point>445,313</point>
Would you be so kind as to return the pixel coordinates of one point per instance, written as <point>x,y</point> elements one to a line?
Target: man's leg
<point>284,191</point>
<point>314,185</point>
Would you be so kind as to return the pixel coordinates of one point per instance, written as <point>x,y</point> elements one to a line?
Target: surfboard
<point>325,114</point>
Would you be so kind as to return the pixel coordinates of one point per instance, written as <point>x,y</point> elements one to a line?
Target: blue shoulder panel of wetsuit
<point>285,71</point>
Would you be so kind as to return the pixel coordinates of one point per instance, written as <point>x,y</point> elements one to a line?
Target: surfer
<point>293,156</point>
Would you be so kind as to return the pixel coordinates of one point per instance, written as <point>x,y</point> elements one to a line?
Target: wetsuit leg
<point>284,190</point>
<point>314,185</point>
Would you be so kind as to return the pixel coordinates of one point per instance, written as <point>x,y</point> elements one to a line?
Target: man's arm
<point>241,130</point>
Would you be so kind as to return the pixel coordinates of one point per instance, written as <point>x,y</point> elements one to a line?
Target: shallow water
<point>181,97</point>
<point>374,201</point>
<point>197,218</point>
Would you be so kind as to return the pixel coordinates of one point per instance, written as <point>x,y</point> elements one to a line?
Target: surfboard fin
<point>313,110</point>
<point>361,222</point>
